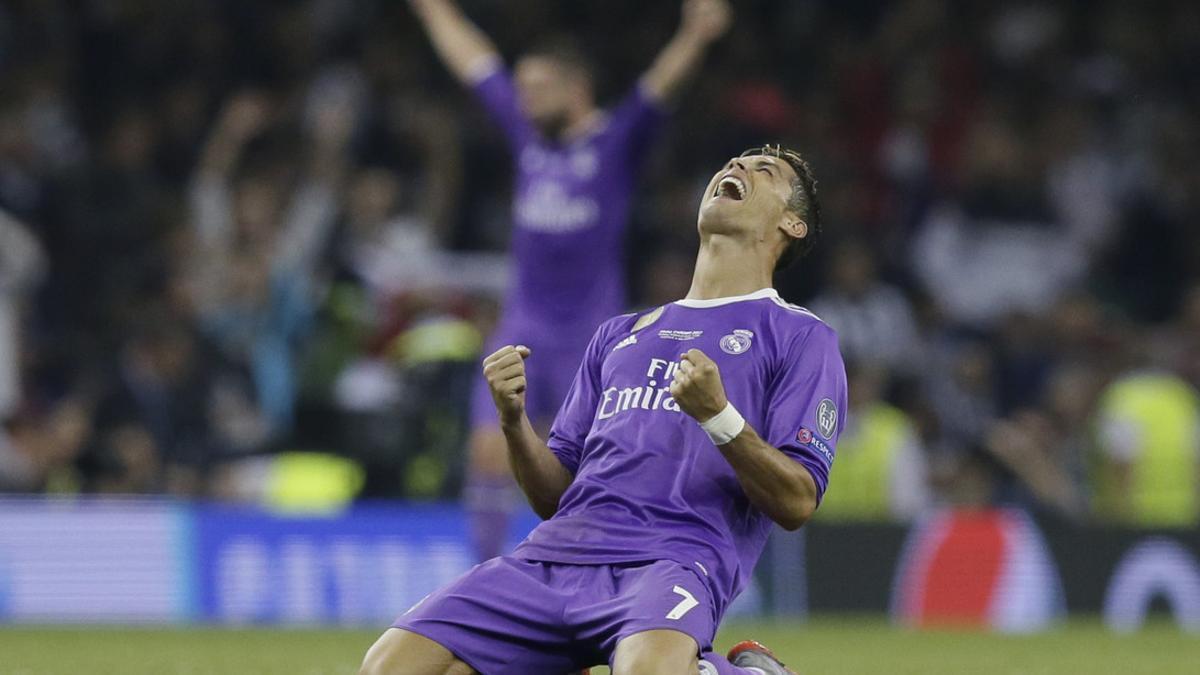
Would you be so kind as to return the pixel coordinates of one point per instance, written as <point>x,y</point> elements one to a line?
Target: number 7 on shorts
<point>685,605</point>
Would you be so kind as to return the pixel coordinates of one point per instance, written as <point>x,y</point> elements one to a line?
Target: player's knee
<point>374,663</point>
<point>379,659</point>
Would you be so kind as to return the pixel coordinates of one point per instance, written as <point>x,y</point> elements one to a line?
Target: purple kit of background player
<point>570,206</point>
<point>688,432</point>
<point>575,167</point>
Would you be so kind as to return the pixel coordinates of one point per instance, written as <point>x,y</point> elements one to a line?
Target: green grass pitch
<point>822,646</point>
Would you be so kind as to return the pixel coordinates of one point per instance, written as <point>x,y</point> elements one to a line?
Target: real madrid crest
<point>737,342</point>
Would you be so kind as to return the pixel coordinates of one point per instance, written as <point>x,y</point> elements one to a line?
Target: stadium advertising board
<point>997,569</point>
<point>133,561</point>
<point>94,561</point>
<point>364,567</point>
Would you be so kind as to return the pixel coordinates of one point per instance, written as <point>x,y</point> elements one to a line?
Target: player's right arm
<point>465,49</point>
<point>540,473</point>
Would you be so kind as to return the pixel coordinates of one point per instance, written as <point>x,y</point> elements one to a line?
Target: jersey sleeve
<point>806,404</point>
<point>574,419</point>
<point>498,96</point>
<point>634,123</point>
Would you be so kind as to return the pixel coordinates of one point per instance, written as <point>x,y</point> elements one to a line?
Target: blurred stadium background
<point>249,252</point>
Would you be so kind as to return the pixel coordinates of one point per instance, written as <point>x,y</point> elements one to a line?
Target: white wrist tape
<point>725,425</point>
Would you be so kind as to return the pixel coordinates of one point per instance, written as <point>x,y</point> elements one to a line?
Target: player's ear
<point>794,227</point>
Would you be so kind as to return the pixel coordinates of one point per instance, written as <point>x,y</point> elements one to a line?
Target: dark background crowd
<point>238,231</point>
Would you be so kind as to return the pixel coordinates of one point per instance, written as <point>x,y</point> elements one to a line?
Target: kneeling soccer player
<point>688,431</point>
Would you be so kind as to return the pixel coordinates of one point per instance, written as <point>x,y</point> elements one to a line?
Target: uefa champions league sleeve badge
<point>737,342</point>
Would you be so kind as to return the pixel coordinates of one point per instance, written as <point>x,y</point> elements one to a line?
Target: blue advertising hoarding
<point>364,567</point>
<point>163,562</point>
<point>90,560</point>
<point>158,561</point>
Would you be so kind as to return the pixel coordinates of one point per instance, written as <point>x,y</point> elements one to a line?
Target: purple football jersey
<point>570,208</point>
<point>649,483</point>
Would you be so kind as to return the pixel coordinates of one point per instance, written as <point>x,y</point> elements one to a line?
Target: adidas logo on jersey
<point>631,340</point>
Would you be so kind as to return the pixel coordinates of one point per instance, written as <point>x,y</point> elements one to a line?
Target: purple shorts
<point>510,616</point>
<point>549,371</point>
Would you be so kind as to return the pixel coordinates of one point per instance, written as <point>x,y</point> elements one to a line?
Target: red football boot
<point>750,654</point>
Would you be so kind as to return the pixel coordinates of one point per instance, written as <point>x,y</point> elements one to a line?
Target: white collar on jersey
<point>717,302</point>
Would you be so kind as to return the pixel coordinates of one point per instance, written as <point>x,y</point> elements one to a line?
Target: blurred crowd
<point>237,232</point>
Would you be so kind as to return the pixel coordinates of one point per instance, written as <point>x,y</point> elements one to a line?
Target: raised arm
<point>541,475</point>
<point>332,117</point>
<point>703,21</point>
<point>465,50</point>
<point>210,197</point>
<point>242,118</point>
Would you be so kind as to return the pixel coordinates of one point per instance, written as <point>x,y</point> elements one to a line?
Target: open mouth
<point>731,187</point>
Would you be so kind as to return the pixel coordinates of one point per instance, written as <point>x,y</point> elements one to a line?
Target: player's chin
<point>721,216</point>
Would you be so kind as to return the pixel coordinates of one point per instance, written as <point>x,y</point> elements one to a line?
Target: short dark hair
<point>803,202</point>
<point>564,51</point>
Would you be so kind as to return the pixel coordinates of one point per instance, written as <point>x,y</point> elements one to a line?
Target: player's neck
<point>726,268</point>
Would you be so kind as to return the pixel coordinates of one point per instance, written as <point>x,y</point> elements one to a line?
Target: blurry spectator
<point>874,320</point>
<point>961,389</point>
<point>1148,468</point>
<point>157,421</point>
<point>37,452</point>
<point>882,470</point>
<point>396,226</point>
<point>394,219</point>
<point>255,275</point>
<point>996,248</point>
<point>21,264</point>
<point>1046,449</point>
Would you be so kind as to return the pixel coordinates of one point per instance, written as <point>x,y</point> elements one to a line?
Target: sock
<point>712,663</point>
<point>489,501</point>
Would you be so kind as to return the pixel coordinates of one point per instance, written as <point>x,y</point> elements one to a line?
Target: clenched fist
<point>504,371</point>
<point>697,386</point>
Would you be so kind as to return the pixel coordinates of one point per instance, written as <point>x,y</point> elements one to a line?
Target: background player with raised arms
<point>576,168</point>
<point>687,433</point>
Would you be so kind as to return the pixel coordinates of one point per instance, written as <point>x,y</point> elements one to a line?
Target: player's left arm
<point>776,484</point>
<point>703,22</point>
